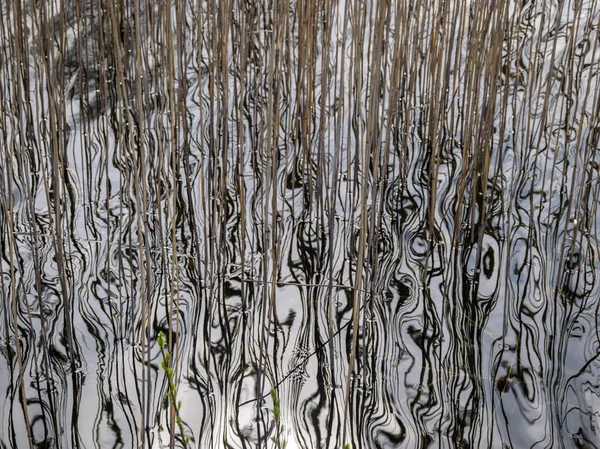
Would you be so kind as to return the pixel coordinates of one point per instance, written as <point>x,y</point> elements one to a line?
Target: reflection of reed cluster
<point>299,224</point>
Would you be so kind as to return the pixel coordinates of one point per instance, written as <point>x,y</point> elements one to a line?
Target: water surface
<point>386,213</point>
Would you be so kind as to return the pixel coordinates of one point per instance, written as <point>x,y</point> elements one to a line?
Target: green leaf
<point>161,340</point>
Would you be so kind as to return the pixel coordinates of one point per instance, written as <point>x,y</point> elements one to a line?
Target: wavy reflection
<point>365,224</point>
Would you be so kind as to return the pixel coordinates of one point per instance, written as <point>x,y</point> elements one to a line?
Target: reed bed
<point>304,223</point>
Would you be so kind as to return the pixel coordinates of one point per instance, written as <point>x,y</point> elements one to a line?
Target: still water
<point>371,224</point>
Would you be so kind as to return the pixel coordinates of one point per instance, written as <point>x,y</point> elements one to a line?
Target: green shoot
<point>278,438</point>
<point>172,387</point>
